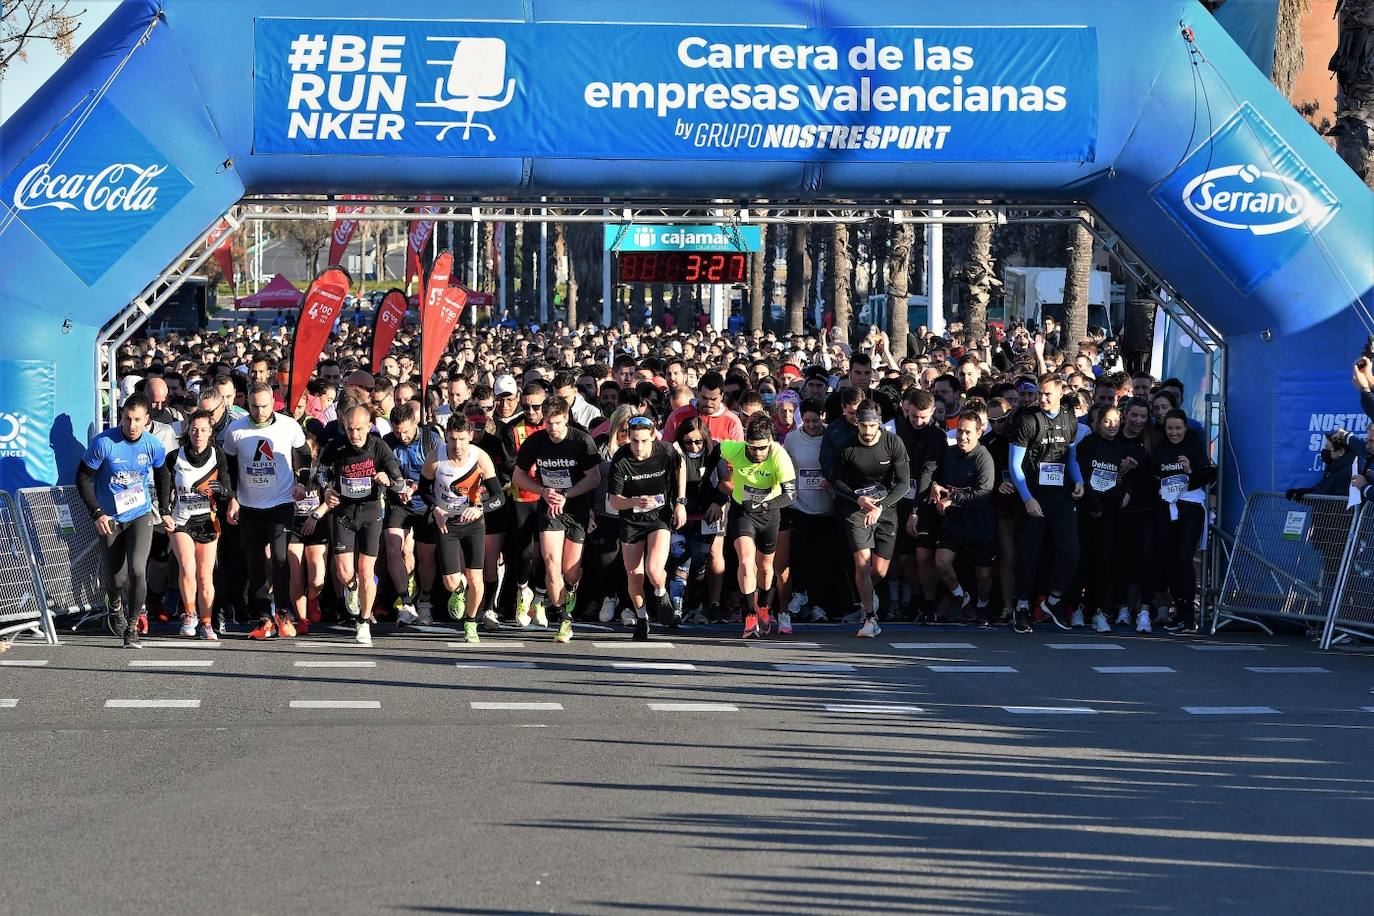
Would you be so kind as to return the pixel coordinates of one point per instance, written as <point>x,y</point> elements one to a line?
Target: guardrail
<point>22,608</point>
<point>65,547</point>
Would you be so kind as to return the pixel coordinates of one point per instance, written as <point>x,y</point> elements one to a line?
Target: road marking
<point>1136,669</point>
<point>814,668</point>
<point>335,664</point>
<point>181,644</point>
<point>500,642</point>
<point>1084,645</point>
<point>152,704</point>
<point>493,664</point>
<point>875,709</point>
<point>8,704</point>
<point>627,644</point>
<point>24,663</point>
<point>171,662</point>
<point>310,644</point>
<point>531,707</point>
<point>787,644</point>
<point>694,707</point>
<point>1231,710</point>
<point>972,669</point>
<point>932,645</point>
<point>1281,670</point>
<point>1222,647</point>
<point>655,666</point>
<point>336,704</point>
<point>1365,708</point>
<point>1051,710</point>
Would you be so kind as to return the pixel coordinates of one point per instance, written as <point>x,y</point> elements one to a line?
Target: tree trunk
<point>566,275</point>
<point>1288,53</point>
<point>898,282</point>
<point>757,270</point>
<point>841,276</point>
<point>1077,287</point>
<point>770,273</point>
<point>798,271</point>
<point>1353,64</point>
<point>978,278</point>
<point>529,261</point>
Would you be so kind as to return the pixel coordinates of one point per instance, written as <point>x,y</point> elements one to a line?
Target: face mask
<point>696,454</point>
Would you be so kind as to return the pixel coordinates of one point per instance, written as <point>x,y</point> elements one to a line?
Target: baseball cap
<point>505,384</point>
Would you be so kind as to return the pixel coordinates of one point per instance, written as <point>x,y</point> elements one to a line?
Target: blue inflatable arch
<point>1145,112</point>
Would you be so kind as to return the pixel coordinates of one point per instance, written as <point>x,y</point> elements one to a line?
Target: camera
<point>1368,351</point>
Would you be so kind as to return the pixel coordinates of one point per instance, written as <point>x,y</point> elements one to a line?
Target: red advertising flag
<point>439,276</point>
<point>440,318</point>
<point>420,230</point>
<point>224,253</point>
<point>390,314</point>
<point>323,302</point>
<point>342,234</point>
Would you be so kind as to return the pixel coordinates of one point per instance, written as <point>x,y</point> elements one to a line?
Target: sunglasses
<point>539,406</point>
<point>641,423</point>
<point>693,441</point>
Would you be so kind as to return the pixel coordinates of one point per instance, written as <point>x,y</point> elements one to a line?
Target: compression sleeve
<point>387,458</point>
<point>1017,455</point>
<point>496,497</point>
<point>427,490</point>
<point>85,485</point>
<point>787,494</point>
<point>225,479</point>
<point>901,475</point>
<point>162,483</point>
<point>1075,472</point>
<point>828,459</point>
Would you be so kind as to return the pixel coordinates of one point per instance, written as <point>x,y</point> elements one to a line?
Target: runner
<point>1104,464</point>
<point>116,482</point>
<point>811,524</point>
<point>522,554</point>
<point>354,470</point>
<point>197,487</point>
<point>872,475</point>
<point>648,489</point>
<point>918,520</point>
<point>760,482</point>
<point>1184,473</point>
<point>460,486</point>
<point>560,465</point>
<point>307,549</point>
<point>962,494</point>
<point>408,533</point>
<point>607,571</point>
<point>703,547</point>
<point>1135,537</point>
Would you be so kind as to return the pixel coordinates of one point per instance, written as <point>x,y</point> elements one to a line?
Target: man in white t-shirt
<point>263,449</point>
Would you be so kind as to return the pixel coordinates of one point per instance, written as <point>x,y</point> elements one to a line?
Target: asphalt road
<point>821,774</point>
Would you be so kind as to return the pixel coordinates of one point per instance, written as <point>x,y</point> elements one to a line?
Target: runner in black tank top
<point>648,489</point>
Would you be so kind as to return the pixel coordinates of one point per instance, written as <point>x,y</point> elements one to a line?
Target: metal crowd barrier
<point>1352,612</point>
<point>21,605</point>
<point>66,552</point>
<point>1288,561</point>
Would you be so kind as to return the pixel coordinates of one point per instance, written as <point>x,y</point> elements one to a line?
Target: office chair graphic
<point>473,85</point>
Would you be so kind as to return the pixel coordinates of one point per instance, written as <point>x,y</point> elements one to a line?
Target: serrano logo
<point>1248,199</point>
<point>122,186</point>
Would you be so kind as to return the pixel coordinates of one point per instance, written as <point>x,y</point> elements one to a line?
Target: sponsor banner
<point>28,395</point>
<point>322,304</point>
<point>1247,199</point>
<point>623,237</point>
<point>89,190</point>
<point>564,90</point>
<point>441,317</point>
<point>221,240</point>
<point>342,234</point>
<point>390,314</point>
<point>1308,405</point>
<point>440,274</point>
<point>416,240</point>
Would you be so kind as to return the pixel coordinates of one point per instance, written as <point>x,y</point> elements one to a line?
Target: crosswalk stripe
<point>1282,670</point>
<point>152,704</point>
<point>1231,710</point>
<point>972,669</point>
<point>932,645</point>
<point>181,644</point>
<point>8,704</point>
<point>629,644</point>
<point>1083,645</point>
<point>1136,669</point>
<point>1051,710</point>
<point>694,707</point>
<point>23,663</point>
<point>493,664</point>
<point>814,668</point>
<point>876,709</point>
<point>655,666</point>
<point>335,664</point>
<point>312,644</point>
<point>528,707</point>
<point>487,645</point>
<point>336,704</point>
<point>1223,647</point>
<point>171,662</point>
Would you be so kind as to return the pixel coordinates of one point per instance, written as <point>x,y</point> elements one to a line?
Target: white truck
<point>1031,294</point>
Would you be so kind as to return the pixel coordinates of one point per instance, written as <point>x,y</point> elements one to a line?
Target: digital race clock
<point>681,266</point>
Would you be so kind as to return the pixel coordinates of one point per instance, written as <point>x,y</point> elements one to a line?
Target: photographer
<point>1339,454</point>
<point>1363,378</point>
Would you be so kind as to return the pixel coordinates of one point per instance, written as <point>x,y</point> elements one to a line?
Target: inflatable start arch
<point>1145,112</point>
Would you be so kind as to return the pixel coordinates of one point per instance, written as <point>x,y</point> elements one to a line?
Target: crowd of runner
<point>647,478</point>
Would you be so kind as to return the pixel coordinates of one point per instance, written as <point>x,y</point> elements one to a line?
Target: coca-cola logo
<point>119,187</point>
<point>343,231</point>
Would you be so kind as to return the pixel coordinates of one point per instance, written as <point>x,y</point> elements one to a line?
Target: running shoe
<point>717,615</point>
<point>207,633</point>
<point>470,632</point>
<point>424,614</point>
<point>798,602</point>
<point>1142,621</point>
<point>490,622</point>
<point>351,601</point>
<point>285,628</point>
<point>870,628</point>
<point>458,604</point>
<point>627,617</point>
<point>1123,617</point>
<point>312,609</point>
<point>1076,620</point>
<point>1049,613</point>
<point>363,635</point>
<point>565,632</point>
<point>264,630</point>
<point>1021,621</point>
<point>303,626</point>
<point>607,612</point>
<point>785,624</point>
<point>857,616</point>
<point>541,617</point>
<point>818,614</point>
<point>696,617</point>
<point>143,624</point>
<point>132,640</point>
<point>641,633</point>
<point>751,627</point>
<point>765,621</point>
<point>406,616</point>
<point>1162,615</point>
<point>1100,623</point>
<point>522,604</point>
<point>189,624</point>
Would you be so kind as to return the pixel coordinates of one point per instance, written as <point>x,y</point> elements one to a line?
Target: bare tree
<point>898,282</point>
<point>307,236</point>
<point>1353,64</point>
<point>841,278</point>
<point>1077,286</point>
<point>23,22</point>
<point>978,278</point>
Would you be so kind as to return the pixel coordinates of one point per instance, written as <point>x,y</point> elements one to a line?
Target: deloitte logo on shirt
<point>1247,199</point>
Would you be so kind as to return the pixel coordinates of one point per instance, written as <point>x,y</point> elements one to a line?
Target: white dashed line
<point>335,664</point>
<point>628,644</point>
<point>1222,647</point>
<point>1231,710</point>
<point>1364,708</point>
<point>786,644</point>
<point>181,644</point>
<point>171,662</point>
<point>1136,669</point>
<point>1084,645</point>
<point>1281,670</point>
<point>336,704</point>
<point>654,666</point>
<point>972,669</point>
<point>1051,710</point>
<point>694,707</point>
<point>24,663</point>
<point>932,645</point>
<point>8,704</point>
<point>529,707</point>
<point>873,709</point>
<point>814,668</point>
<point>486,645</point>
<point>152,704</point>
<point>493,664</point>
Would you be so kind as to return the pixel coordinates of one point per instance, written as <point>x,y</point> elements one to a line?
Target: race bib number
<point>718,528</point>
<point>811,479</point>
<point>309,504</point>
<point>1171,488</point>
<point>1051,475</point>
<point>192,499</point>
<point>556,478</point>
<point>130,499</point>
<point>458,503</point>
<point>1103,479</point>
<point>355,487</point>
<point>658,501</point>
<point>758,494</point>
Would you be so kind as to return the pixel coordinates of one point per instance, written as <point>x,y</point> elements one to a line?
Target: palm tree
<point>978,278</point>
<point>798,276</point>
<point>756,276</point>
<point>1077,286</point>
<point>1353,64</point>
<point>898,282</point>
<point>841,278</point>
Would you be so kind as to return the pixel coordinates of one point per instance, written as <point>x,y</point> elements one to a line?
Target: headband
<point>869,416</point>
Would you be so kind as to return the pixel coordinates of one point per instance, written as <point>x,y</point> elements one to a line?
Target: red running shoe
<point>765,621</point>
<point>751,626</point>
<point>264,630</point>
<point>143,624</point>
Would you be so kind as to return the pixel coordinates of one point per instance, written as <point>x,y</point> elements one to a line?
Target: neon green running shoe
<point>564,632</point>
<point>470,632</point>
<point>458,604</point>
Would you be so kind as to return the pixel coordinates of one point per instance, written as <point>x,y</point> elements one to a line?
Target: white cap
<point>505,384</point>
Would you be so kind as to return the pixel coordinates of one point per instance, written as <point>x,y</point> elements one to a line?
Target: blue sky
<point>24,77</point>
